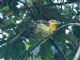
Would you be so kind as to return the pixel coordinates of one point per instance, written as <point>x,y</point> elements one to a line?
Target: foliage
<point>18,16</point>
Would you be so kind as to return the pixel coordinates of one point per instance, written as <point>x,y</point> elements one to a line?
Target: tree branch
<point>77,55</point>
<point>46,39</point>
<point>18,35</point>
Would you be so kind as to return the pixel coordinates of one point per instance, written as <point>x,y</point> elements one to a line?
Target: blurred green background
<point>17,16</point>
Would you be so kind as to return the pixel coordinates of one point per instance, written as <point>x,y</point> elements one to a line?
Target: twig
<point>59,49</point>
<point>16,37</point>
<point>77,55</point>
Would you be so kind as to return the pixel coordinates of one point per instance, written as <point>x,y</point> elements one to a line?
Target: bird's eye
<point>52,21</point>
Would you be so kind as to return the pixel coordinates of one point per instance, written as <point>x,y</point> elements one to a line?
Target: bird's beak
<point>57,22</point>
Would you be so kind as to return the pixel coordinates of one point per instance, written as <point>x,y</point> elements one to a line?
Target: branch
<point>43,41</point>
<point>18,35</point>
<point>59,49</point>
<point>46,39</point>
<point>68,24</point>
<point>77,55</point>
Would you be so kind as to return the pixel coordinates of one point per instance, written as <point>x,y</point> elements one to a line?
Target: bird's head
<point>53,24</point>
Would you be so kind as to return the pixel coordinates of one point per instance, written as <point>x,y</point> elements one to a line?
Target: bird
<point>44,28</point>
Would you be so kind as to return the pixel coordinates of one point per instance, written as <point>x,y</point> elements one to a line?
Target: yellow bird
<point>42,30</point>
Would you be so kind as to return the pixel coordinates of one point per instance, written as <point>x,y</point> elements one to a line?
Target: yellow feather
<point>52,25</point>
<point>42,31</point>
